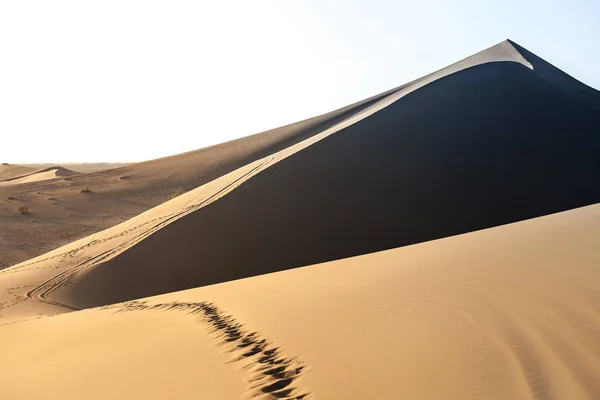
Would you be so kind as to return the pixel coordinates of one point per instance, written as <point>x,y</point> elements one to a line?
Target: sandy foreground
<point>504,313</point>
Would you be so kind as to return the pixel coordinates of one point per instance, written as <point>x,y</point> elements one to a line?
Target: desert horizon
<point>438,240</point>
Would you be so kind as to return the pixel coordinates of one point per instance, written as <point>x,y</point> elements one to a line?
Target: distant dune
<point>83,168</point>
<point>494,162</point>
<point>9,171</point>
<point>38,175</point>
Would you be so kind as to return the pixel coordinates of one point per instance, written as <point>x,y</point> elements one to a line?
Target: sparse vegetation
<point>11,198</point>
<point>85,189</point>
<point>178,192</point>
<point>23,209</point>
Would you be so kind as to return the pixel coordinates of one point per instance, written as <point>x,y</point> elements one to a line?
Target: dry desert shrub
<point>85,189</point>
<point>23,209</point>
<point>178,192</point>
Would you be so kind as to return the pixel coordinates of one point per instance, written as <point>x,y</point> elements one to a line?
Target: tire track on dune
<point>41,291</point>
<point>271,373</point>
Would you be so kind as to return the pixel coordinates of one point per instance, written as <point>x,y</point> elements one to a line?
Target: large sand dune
<point>525,99</point>
<point>486,143</point>
<point>505,313</point>
<point>496,312</point>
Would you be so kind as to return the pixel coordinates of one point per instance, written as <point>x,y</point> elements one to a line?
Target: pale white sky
<point>133,80</point>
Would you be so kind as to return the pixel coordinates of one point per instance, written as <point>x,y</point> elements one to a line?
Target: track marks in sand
<point>272,374</point>
<point>71,262</point>
<point>16,298</point>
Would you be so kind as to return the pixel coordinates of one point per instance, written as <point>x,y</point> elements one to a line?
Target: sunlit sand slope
<point>505,313</point>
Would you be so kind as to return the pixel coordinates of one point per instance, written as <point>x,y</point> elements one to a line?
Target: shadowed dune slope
<point>489,145</point>
<point>551,73</point>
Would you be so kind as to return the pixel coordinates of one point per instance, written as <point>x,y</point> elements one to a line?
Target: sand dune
<point>484,311</point>
<point>444,155</point>
<point>505,313</point>
<point>482,143</point>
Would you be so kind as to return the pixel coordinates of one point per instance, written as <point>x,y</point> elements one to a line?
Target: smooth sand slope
<point>158,251</point>
<point>83,168</point>
<point>486,141</point>
<point>461,150</point>
<point>506,313</point>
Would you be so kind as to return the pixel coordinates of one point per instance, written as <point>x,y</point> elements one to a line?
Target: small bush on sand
<point>85,189</point>
<point>178,192</point>
<point>23,209</point>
